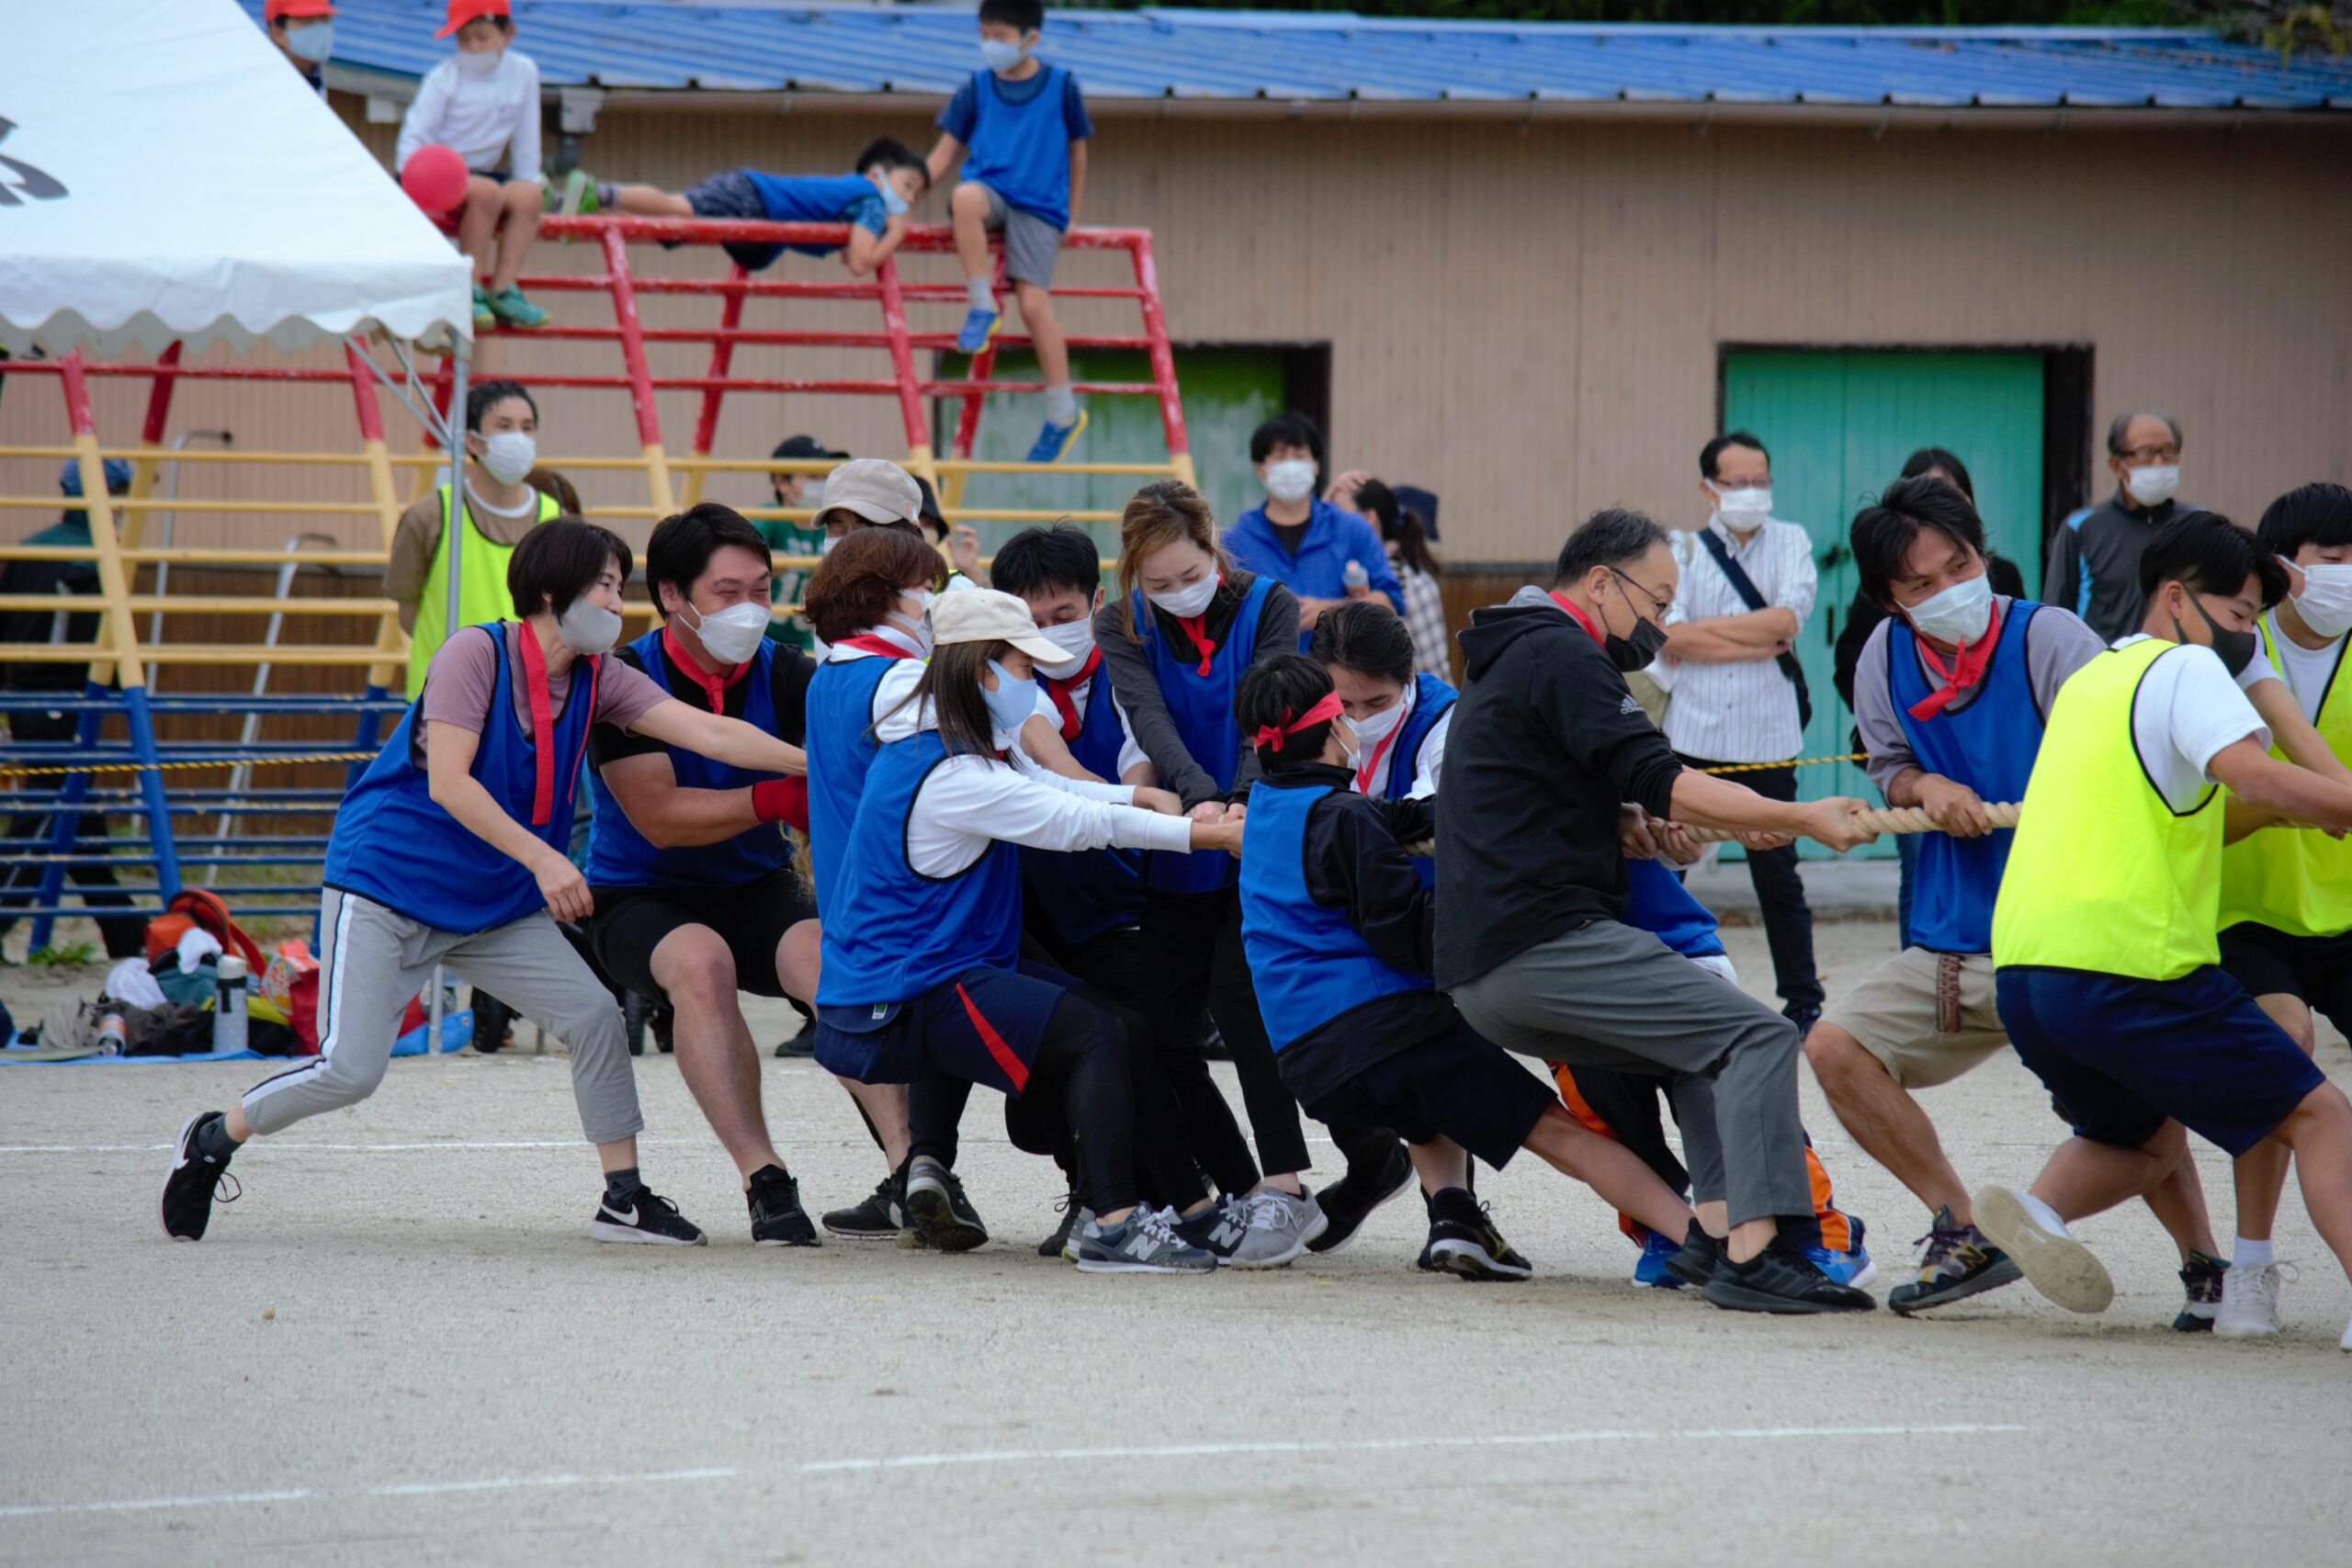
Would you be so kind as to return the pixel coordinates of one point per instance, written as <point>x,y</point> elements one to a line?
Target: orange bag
<point>201,907</point>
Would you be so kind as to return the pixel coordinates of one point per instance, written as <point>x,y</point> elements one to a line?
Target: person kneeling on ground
<point>1337,924</point>
<point>872,200</point>
<point>1546,746</point>
<point>450,850</point>
<point>692,875</point>
<point>922,972</point>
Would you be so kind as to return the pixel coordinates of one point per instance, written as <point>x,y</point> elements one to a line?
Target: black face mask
<point>1640,650</point>
<point>2235,649</point>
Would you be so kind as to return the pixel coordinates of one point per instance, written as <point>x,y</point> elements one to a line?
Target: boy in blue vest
<point>1338,928</point>
<point>1024,127</point>
<point>1950,695</point>
<point>872,200</point>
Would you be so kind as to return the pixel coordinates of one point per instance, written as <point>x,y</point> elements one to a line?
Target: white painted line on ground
<point>1009,1456</point>
<point>1382,1445</point>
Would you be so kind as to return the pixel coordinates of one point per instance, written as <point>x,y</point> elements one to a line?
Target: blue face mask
<point>892,202</point>
<point>1001,56</point>
<point>314,43</point>
<point>1013,702</point>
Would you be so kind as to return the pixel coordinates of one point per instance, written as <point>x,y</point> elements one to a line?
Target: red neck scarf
<point>1576,614</point>
<point>535,683</point>
<point>881,647</point>
<point>1964,672</point>
<point>1196,627</point>
<point>1060,690</point>
<point>713,686</point>
<point>1270,736</point>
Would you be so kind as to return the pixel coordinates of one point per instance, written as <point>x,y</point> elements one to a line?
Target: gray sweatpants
<point>1606,995</point>
<point>376,959</point>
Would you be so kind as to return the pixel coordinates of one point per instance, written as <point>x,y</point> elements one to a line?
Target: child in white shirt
<point>483,104</point>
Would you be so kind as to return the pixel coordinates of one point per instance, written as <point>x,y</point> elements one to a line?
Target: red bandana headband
<point>1322,711</point>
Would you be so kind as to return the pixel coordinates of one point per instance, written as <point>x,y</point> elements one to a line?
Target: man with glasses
<point>1546,746</point>
<point>1736,693</point>
<point>2095,557</point>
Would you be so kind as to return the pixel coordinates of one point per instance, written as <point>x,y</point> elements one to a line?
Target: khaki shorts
<point>1927,1016</point>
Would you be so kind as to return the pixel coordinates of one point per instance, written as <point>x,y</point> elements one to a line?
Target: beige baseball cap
<point>876,489</point>
<point>983,615</point>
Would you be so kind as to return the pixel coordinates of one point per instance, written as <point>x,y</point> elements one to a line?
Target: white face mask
<point>2325,602</point>
<point>1374,728</point>
<point>732,635</point>
<point>1187,602</point>
<point>1743,510</point>
<point>1352,740</point>
<point>1291,480</point>
<point>588,628</point>
<point>478,63</point>
<point>1076,640</point>
<point>2152,486</point>
<point>916,626</point>
<point>509,455</point>
<point>313,43</point>
<point>1957,615</point>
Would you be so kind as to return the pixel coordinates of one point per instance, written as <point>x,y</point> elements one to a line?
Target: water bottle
<point>113,1036</point>
<point>1354,575</point>
<point>229,1004</point>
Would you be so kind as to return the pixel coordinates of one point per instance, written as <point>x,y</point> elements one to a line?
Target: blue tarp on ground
<point>926,52</point>
<point>456,1034</point>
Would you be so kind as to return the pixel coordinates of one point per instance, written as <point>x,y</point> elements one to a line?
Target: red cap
<point>277,10</point>
<point>464,11</point>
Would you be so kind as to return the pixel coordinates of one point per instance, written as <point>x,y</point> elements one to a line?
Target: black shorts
<point>630,923</point>
<point>2316,970</point>
<point>1458,1085</point>
<point>733,195</point>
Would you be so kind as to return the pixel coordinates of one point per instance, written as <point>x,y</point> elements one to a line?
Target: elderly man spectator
<point>1738,695</point>
<point>2095,559</point>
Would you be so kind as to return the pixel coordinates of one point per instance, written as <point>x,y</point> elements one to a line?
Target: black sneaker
<point>639,1215</point>
<point>192,1183</point>
<point>1464,1243</point>
<point>777,1218</point>
<point>938,1214</point>
<point>2201,1277</point>
<point>801,1045</point>
<point>1695,1264</point>
<point>1215,1230</point>
<point>879,1218</point>
<point>1959,1263</point>
<point>1055,1244</point>
<point>1781,1278</point>
<point>1350,1200</point>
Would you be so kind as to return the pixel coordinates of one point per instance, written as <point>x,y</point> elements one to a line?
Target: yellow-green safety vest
<point>481,593</point>
<point>2297,880</point>
<point>2103,875</point>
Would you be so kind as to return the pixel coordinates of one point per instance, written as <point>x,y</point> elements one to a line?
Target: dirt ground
<point>397,1347</point>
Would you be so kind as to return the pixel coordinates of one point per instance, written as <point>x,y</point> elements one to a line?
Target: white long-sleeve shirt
<point>967,803</point>
<point>487,120</point>
<point>1746,711</point>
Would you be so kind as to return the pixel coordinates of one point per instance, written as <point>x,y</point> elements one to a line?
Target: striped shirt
<point>1745,712</point>
<point>1425,618</point>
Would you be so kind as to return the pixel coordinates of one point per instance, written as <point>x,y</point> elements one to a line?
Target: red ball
<point>434,178</point>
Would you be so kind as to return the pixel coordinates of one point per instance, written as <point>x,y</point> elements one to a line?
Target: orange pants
<point>1633,1102</point>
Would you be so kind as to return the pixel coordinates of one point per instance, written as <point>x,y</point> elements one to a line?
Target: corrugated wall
<point>1527,319</point>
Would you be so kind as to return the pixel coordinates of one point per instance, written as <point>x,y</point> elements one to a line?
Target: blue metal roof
<point>1316,56</point>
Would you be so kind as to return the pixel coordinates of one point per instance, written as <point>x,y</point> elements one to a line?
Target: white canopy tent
<point>165,174</point>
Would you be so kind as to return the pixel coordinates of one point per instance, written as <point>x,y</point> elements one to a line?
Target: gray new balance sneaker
<point>1144,1243</point>
<point>1280,1226</point>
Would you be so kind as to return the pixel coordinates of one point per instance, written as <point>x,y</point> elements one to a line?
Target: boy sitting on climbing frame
<point>873,200</point>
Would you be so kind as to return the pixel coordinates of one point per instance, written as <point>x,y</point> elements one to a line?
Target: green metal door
<point>1226,394</point>
<point>1839,425</point>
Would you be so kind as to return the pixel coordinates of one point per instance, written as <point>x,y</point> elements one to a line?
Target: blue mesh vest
<point>393,843</point>
<point>1310,965</point>
<point>1201,707</point>
<point>840,710</point>
<point>1092,891</point>
<point>1989,745</point>
<point>619,856</point>
<point>895,933</point>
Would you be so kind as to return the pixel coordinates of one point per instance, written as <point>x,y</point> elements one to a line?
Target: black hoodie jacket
<point>1546,743</point>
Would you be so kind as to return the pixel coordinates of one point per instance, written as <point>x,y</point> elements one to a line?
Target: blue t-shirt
<point>820,198</point>
<point>1019,133</point>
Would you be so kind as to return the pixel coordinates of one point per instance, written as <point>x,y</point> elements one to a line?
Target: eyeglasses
<point>2143,456</point>
<point>1660,605</point>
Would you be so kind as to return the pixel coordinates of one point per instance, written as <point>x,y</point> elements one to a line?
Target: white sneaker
<point>2057,1265</point>
<point>2250,1302</point>
<point>1280,1225</point>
